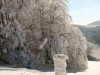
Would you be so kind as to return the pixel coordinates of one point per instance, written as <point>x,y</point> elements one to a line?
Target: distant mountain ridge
<point>91,33</point>
<point>96,23</point>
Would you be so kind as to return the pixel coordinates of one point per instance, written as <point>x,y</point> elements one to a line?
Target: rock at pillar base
<point>60,64</point>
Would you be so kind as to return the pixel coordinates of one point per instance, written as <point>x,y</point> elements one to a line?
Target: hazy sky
<point>84,11</point>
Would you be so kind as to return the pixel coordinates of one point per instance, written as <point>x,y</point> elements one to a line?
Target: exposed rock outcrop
<point>93,52</point>
<point>24,25</point>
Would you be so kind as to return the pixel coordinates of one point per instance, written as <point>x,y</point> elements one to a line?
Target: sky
<point>84,12</point>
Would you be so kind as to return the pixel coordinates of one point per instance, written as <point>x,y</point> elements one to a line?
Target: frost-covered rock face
<point>24,25</point>
<point>93,52</point>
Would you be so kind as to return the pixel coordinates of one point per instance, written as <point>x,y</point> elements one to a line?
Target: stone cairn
<point>60,64</point>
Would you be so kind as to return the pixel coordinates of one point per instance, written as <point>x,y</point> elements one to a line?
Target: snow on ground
<point>94,69</point>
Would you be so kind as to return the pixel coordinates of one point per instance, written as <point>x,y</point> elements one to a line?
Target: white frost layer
<point>94,69</point>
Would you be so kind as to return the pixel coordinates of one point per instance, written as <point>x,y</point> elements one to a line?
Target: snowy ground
<point>94,69</point>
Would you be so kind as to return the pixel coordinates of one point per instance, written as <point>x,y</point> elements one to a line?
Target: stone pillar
<point>60,64</point>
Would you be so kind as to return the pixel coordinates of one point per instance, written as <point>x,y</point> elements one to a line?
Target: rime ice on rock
<point>60,64</point>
